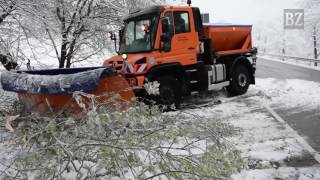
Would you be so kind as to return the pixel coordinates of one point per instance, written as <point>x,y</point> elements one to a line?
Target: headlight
<point>124,57</point>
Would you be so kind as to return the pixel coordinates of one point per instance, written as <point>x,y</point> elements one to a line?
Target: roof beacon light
<point>189,2</point>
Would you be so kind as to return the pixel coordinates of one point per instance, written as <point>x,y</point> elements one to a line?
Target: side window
<point>181,22</point>
<point>129,35</point>
<point>169,15</point>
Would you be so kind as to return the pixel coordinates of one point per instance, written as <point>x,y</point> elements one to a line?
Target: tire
<point>240,81</point>
<point>170,92</point>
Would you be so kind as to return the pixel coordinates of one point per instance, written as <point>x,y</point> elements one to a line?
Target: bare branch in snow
<point>140,143</point>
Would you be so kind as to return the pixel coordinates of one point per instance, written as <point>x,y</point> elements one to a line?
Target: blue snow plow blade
<point>55,81</point>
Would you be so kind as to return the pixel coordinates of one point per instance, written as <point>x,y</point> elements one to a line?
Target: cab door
<point>184,40</point>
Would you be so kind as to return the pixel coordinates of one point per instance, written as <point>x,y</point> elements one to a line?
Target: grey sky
<point>245,11</point>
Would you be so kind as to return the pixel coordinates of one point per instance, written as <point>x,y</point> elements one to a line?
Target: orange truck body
<point>225,40</point>
<point>216,53</point>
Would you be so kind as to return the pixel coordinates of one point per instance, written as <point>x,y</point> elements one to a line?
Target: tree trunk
<point>315,45</point>
<point>63,54</point>
<point>64,36</point>
<point>70,54</point>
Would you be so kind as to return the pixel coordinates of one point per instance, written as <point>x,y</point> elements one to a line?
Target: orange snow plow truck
<point>172,46</point>
<point>166,44</point>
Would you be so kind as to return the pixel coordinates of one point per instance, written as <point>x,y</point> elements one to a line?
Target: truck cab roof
<point>225,25</point>
<point>153,10</point>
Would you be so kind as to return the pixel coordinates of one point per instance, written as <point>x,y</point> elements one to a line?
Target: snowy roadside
<point>6,100</point>
<point>268,142</point>
<point>308,65</point>
<point>283,173</point>
<point>267,147</point>
<point>270,149</point>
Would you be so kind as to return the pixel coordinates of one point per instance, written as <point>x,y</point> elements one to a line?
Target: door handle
<point>191,48</point>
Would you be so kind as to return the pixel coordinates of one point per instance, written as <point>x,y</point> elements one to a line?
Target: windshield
<point>138,36</point>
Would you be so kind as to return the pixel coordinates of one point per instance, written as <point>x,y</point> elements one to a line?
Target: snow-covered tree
<point>74,30</point>
<point>6,9</point>
<point>77,29</point>
<point>313,24</point>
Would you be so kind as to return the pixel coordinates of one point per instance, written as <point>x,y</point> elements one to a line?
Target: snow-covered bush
<point>139,143</point>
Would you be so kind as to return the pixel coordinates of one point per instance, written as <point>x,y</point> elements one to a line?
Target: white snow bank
<point>262,140</point>
<point>285,173</point>
<point>288,94</point>
<point>6,100</point>
<point>261,137</point>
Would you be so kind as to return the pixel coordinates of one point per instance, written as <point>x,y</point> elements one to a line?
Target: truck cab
<point>171,45</point>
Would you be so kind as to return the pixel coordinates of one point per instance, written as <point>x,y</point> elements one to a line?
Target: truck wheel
<point>170,91</point>
<point>240,81</point>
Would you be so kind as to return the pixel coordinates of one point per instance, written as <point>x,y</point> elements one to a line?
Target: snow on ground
<point>286,173</point>
<point>293,94</point>
<point>267,141</point>
<point>261,138</point>
<point>266,145</point>
<point>6,100</point>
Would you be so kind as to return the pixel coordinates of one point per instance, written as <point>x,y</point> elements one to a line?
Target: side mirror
<point>165,25</point>
<point>121,33</point>
<point>112,36</point>
<point>121,36</point>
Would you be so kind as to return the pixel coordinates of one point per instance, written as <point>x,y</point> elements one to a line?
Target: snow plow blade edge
<point>70,91</point>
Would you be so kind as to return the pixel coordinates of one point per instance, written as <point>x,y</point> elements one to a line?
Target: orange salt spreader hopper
<point>228,39</point>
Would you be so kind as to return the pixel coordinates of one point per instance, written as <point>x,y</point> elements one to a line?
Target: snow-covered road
<point>302,110</point>
<point>271,149</point>
<point>293,93</point>
<point>277,69</point>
